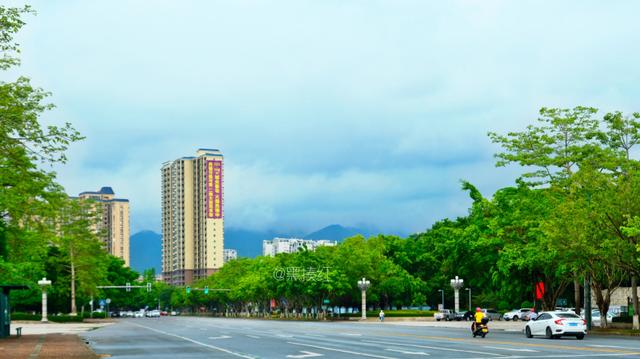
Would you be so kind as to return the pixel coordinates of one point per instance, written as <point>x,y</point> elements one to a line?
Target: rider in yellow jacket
<point>478,317</point>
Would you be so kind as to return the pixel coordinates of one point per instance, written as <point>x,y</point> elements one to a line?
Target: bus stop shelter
<point>5,310</point>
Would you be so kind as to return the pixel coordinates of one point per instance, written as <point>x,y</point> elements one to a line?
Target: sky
<point>361,113</point>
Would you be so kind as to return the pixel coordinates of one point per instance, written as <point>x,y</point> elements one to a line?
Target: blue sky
<point>363,113</point>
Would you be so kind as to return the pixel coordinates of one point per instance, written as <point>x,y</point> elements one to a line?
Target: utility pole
<point>587,301</point>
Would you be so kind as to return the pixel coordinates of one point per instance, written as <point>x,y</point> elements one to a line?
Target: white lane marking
<point>560,356</point>
<point>352,334</point>
<point>513,349</point>
<point>612,346</point>
<point>435,348</point>
<point>407,352</point>
<point>305,355</point>
<point>196,342</point>
<point>284,335</point>
<point>341,350</point>
<point>220,337</point>
<point>253,336</point>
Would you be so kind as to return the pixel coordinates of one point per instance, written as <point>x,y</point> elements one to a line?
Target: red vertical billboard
<point>214,189</point>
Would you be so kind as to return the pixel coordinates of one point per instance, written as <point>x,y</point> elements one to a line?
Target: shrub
<point>526,304</point>
<point>65,319</point>
<point>25,316</point>
<point>622,319</point>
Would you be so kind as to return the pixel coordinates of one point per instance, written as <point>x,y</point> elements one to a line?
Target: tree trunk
<point>634,295</point>
<point>576,296</point>
<point>73,285</point>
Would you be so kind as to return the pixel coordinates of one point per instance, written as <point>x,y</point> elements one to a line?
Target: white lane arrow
<point>305,354</point>
<point>407,352</point>
<point>512,349</point>
<point>220,337</point>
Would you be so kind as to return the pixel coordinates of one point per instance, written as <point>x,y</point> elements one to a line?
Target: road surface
<point>193,337</point>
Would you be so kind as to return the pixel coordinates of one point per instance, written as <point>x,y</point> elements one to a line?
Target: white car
<point>596,317</point>
<point>516,314</point>
<point>555,325</point>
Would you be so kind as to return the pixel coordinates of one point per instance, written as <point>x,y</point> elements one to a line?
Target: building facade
<point>115,222</point>
<point>292,245</point>
<point>230,254</point>
<point>192,217</point>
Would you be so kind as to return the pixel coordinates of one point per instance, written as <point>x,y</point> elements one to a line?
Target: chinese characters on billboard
<point>214,189</point>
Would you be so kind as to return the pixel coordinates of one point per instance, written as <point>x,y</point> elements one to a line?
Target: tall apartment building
<point>115,222</point>
<point>192,217</point>
<point>292,245</point>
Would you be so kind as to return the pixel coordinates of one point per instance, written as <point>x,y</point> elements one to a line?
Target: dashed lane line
<point>196,342</point>
<point>340,350</point>
<point>434,348</point>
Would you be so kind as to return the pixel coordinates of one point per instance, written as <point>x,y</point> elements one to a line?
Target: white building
<point>292,245</point>
<point>229,254</point>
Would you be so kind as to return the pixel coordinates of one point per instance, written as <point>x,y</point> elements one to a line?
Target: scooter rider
<point>478,318</point>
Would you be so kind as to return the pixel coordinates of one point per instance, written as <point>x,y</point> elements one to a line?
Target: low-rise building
<point>291,245</point>
<point>229,255</point>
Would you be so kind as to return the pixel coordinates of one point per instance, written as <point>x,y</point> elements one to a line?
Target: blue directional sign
<point>102,302</point>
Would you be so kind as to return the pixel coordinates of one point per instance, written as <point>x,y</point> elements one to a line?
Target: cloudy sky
<point>363,113</point>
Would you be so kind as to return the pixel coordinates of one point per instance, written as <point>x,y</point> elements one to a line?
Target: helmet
<point>478,309</point>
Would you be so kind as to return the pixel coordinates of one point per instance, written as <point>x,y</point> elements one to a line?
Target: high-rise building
<point>230,254</point>
<point>115,221</point>
<point>292,245</point>
<point>192,217</point>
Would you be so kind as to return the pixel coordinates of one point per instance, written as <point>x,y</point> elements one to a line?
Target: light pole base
<point>44,320</point>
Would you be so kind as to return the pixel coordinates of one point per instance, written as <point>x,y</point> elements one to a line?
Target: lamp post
<point>364,284</point>
<point>43,283</point>
<point>457,283</point>
<point>469,289</point>
<point>442,293</point>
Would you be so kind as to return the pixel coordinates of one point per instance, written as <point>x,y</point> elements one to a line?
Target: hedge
<point>51,318</point>
<point>622,319</point>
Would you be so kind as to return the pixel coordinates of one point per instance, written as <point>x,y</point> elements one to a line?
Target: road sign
<point>108,301</point>
<point>148,287</point>
<point>128,287</point>
<point>102,302</point>
<point>326,301</point>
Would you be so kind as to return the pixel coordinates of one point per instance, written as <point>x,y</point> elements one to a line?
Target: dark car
<point>468,316</point>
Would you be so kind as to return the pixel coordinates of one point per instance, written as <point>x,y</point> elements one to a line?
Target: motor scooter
<point>481,328</point>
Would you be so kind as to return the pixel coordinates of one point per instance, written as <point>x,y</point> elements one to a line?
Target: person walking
<point>381,315</point>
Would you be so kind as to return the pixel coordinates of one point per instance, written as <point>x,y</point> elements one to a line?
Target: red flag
<point>539,290</point>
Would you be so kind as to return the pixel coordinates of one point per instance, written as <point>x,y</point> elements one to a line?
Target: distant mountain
<point>146,251</point>
<point>336,232</point>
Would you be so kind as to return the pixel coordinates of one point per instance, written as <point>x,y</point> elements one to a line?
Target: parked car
<point>516,314</point>
<point>492,314</point>
<point>468,315</point>
<point>153,313</point>
<point>139,314</point>
<point>596,317</point>
<point>445,314</point>
<point>555,325</point>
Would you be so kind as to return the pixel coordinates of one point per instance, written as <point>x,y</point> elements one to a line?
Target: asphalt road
<point>190,337</point>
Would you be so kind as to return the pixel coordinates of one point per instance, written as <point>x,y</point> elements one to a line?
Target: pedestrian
<point>381,315</point>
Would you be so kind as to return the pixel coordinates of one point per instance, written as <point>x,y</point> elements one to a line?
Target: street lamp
<point>457,283</point>
<point>442,292</point>
<point>469,289</point>
<point>364,284</point>
<point>43,283</point>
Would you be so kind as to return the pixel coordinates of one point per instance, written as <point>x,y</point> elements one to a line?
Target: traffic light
<point>188,289</point>
<point>148,287</point>
<point>206,289</point>
<point>128,287</point>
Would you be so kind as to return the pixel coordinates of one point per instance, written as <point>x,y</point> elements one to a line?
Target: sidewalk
<point>32,327</point>
<point>46,346</point>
